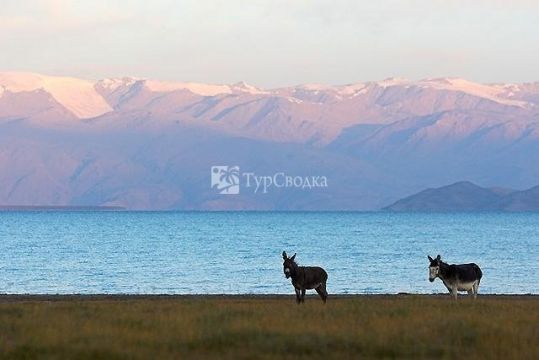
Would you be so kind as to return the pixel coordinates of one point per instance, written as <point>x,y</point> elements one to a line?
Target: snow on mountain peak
<point>392,81</point>
<point>113,84</point>
<point>352,89</point>
<point>86,99</point>
<point>313,87</point>
<point>76,95</point>
<point>197,88</point>
<point>201,88</point>
<point>242,86</point>
<point>490,92</point>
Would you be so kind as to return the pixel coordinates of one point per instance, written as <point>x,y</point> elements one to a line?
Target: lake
<point>240,252</point>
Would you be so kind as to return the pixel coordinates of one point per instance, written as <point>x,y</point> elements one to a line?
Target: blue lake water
<point>240,252</point>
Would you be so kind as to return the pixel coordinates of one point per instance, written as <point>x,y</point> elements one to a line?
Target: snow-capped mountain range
<point>147,144</point>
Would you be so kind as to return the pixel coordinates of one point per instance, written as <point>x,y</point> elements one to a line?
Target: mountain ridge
<point>467,196</point>
<point>26,81</point>
<point>148,149</point>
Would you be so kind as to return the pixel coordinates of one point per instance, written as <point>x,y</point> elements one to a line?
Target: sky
<point>272,43</point>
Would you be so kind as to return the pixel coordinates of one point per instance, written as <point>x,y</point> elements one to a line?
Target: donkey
<point>305,278</point>
<point>464,277</point>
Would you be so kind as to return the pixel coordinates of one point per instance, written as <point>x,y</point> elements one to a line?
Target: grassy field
<point>267,327</point>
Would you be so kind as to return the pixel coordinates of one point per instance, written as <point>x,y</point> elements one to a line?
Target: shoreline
<point>123,297</point>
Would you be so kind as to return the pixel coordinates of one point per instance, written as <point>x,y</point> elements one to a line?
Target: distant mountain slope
<point>527,200</point>
<point>466,196</point>
<point>77,96</point>
<point>146,144</point>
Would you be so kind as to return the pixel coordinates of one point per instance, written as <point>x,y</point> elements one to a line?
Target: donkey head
<point>289,265</point>
<point>434,267</point>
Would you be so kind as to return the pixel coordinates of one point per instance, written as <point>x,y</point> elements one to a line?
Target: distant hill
<point>60,208</point>
<point>467,196</point>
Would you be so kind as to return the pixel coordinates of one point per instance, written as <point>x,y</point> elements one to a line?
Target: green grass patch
<point>268,327</point>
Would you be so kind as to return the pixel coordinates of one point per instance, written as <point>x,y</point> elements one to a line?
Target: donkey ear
<point>438,257</point>
<point>430,259</point>
<point>284,255</point>
<point>293,257</point>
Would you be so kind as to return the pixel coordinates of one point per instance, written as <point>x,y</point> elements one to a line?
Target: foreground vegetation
<point>125,327</point>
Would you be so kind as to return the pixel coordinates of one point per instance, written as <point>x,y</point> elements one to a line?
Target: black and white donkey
<point>463,277</point>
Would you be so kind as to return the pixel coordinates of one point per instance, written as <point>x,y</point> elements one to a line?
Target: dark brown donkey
<point>305,278</point>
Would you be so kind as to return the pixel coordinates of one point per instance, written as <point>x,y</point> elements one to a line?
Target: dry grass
<point>268,327</point>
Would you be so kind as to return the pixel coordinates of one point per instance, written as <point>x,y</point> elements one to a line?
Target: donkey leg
<point>303,295</point>
<point>325,292</point>
<point>475,290</point>
<point>454,293</point>
<point>321,290</point>
<point>298,299</point>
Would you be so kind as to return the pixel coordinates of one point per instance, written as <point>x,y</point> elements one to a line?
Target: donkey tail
<point>325,275</point>
<point>478,273</point>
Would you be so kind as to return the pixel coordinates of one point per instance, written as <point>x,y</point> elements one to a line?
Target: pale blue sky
<point>275,42</point>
